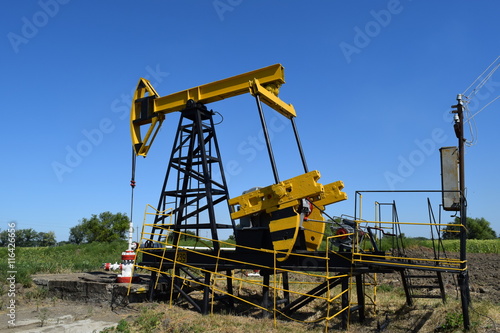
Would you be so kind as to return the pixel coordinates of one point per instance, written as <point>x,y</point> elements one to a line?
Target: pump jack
<point>290,210</point>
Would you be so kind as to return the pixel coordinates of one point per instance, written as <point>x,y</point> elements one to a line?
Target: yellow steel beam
<point>276,196</point>
<point>332,193</point>
<point>218,90</point>
<point>148,108</point>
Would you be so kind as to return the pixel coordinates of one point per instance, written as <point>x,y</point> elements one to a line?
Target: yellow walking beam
<point>148,108</point>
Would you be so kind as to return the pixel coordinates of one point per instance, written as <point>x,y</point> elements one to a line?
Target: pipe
<point>126,267</point>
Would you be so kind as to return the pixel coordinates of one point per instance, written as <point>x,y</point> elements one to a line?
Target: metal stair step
<point>424,287</point>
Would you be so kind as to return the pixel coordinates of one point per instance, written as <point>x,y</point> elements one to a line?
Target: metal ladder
<point>422,283</point>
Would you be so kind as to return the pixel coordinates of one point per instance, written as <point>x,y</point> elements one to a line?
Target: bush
<point>106,227</point>
<point>477,228</point>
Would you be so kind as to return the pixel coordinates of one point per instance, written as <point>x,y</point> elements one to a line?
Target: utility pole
<point>463,277</point>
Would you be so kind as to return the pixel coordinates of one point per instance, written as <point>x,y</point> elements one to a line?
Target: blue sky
<point>372,83</point>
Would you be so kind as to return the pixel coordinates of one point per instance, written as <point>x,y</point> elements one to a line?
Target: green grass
<point>60,259</point>
<point>473,245</point>
<point>450,245</point>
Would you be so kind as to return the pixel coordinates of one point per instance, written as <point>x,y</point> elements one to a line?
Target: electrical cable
<point>481,84</point>
<point>324,212</point>
<point>469,94</point>
<point>484,107</point>
<point>132,184</point>
<point>483,81</point>
<point>472,127</point>
<point>222,118</point>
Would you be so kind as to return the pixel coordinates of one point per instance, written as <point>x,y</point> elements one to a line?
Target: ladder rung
<point>355,308</point>
<point>282,301</point>
<point>423,287</point>
<point>221,297</point>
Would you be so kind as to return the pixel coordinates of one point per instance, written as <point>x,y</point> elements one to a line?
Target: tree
<point>28,238</point>
<point>4,238</point>
<point>477,228</point>
<point>46,238</point>
<point>77,234</point>
<point>105,227</point>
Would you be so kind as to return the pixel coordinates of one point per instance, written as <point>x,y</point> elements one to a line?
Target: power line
<point>484,80</point>
<point>484,107</point>
<point>469,94</point>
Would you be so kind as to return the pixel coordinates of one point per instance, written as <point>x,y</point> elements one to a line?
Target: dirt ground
<point>484,272</point>
<point>38,313</point>
<point>65,316</point>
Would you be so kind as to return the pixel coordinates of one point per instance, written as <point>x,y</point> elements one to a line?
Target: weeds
<point>148,321</point>
<point>385,288</point>
<point>123,326</point>
<point>453,320</point>
<point>36,294</point>
<point>43,315</point>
